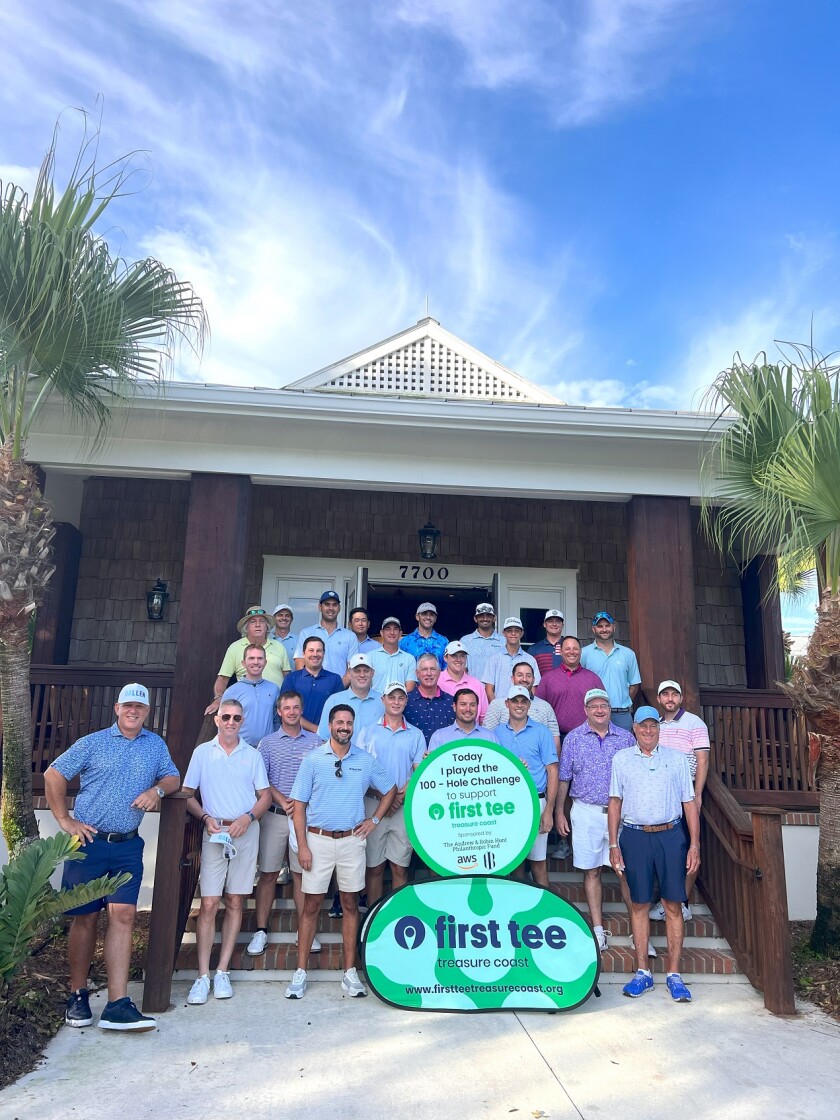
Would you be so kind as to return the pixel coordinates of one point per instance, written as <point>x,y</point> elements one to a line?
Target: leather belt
<point>334,834</point>
<point>592,805</point>
<point>621,709</point>
<point>652,827</point>
<point>117,837</point>
<point>278,809</point>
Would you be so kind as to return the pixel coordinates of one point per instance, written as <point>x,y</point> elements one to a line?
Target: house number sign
<point>421,572</point>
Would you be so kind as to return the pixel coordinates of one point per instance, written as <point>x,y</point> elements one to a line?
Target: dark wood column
<point>660,583</point>
<point>211,599</point>
<point>765,651</point>
<point>54,620</point>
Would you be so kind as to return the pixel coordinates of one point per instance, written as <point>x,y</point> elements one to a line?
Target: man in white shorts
<point>233,783</point>
<point>399,747</point>
<point>332,830</point>
<point>585,770</point>
<point>282,752</point>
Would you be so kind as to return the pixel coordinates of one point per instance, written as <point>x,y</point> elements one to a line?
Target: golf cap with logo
<point>283,607</point>
<point>603,614</point>
<point>668,684</point>
<point>554,614</point>
<point>595,694</point>
<point>646,712</point>
<point>456,647</point>
<point>330,595</point>
<point>518,690</point>
<point>512,621</point>
<point>394,686</point>
<point>486,608</point>
<point>391,620</point>
<point>359,660</point>
<point>427,607</point>
<point>134,694</point>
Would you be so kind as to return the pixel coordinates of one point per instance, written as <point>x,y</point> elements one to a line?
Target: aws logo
<point>409,932</point>
<point>467,863</point>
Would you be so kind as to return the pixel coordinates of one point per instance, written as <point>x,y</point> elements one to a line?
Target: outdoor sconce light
<point>156,601</point>
<point>429,540</point>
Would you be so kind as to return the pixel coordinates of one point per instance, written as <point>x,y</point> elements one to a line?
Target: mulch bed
<point>35,1007</point>
<point>817,979</point>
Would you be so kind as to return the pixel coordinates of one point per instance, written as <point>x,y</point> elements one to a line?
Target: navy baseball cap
<point>603,614</point>
<point>330,595</point>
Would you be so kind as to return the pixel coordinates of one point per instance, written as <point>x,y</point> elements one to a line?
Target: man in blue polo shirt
<point>331,831</point>
<point>484,642</point>
<point>124,771</point>
<point>616,666</point>
<point>359,621</point>
<point>313,682</point>
<point>533,744</point>
<point>465,708</point>
<point>339,643</point>
<point>425,639</point>
<point>365,703</point>
<point>257,696</point>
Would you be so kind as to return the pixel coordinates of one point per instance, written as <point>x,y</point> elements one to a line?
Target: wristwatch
<point>160,792</point>
<point>375,819</point>
<point>251,815</point>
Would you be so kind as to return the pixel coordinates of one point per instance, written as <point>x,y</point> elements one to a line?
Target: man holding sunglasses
<point>331,831</point>
<point>235,793</point>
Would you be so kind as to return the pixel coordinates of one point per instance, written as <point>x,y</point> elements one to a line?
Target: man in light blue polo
<point>359,622</point>
<point>331,829</point>
<point>339,643</point>
<point>363,700</point>
<point>282,632</point>
<point>257,696</point>
<point>400,748</point>
<point>496,676</point>
<point>616,666</point>
<point>533,744</point>
<point>465,707</point>
<point>390,663</point>
<point>484,642</point>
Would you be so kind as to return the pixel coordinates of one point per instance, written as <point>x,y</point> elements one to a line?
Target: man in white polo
<point>233,783</point>
<point>684,732</point>
<point>400,748</point>
<point>390,663</point>
<point>282,752</point>
<point>496,676</point>
<point>332,830</point>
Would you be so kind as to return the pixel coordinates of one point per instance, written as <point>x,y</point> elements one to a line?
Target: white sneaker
<point>601,938</point>
<point>200,990</point>
<point>297,987</point>
<point>284,875</point>
<point>221,985</point>
<point>315,947</point>
<point>352,985</point>
<point>686,911</point>
<point>657,913</point>
<point>651,948</point>
<point>256,946</point>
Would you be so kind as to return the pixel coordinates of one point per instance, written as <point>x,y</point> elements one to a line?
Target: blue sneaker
<point>677,988</point>
<point>642,982</point>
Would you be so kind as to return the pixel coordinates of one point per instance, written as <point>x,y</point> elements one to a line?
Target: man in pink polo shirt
<point>455,676</point>
<point>565,687</point>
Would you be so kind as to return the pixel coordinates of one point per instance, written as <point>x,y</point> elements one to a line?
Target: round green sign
<point>470,807</point>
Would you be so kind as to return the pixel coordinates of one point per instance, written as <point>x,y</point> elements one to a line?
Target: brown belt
<point>334,834</point>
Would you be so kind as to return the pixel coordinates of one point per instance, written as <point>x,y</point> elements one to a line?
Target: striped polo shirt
<point>685,733</point>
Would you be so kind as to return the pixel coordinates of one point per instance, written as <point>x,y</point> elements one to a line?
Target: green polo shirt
<point>277,662</point>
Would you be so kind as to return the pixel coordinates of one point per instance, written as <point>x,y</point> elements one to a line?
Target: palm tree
<point>772,484</point>
<point>92,328</point>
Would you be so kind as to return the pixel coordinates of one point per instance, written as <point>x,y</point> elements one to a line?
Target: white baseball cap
<point>518,690</point>
<point>512,621</point>
<point>486,608</point>
<point>555,614</point>
<point>456,647</point>
<point>133,694</point>
<point>358,660</point>
<point>669,684</point>
<point>394,686</point>
<point>596,694</point>
<point>283,607</point>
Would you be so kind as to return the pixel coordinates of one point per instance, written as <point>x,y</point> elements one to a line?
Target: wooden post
<point>163,928</point>
<point>660,587</point>
<point>54,619</point>
<point>777,967</point>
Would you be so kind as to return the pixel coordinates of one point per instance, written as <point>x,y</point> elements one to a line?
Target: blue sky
<point>610,196</point>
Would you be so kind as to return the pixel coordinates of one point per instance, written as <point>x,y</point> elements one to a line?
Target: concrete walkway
<point>261,1056</point>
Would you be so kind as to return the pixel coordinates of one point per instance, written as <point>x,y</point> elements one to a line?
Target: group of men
<point>310,764</point>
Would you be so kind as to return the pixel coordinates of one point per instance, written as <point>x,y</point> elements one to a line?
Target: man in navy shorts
<point>650,790</point>
<point>124,771</point>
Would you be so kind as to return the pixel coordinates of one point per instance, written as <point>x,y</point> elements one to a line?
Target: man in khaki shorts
<point>233,783</point>
<point>332,829</point>
<point>282,752</point>
<point>399,747</point>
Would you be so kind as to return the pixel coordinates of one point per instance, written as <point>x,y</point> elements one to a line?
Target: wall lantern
<point>156,601</point>
<point>429,541</point>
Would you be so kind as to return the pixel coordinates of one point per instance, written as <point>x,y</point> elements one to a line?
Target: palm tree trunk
<point>825,938</point>
<point>18,816</point>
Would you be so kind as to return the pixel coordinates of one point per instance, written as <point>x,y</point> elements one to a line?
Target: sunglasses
<point>256,612</point>
<point>338,767</point>
<point>230,716</point>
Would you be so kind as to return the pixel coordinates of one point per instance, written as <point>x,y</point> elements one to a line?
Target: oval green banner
<point>479,944</point>
<point>471,806</point>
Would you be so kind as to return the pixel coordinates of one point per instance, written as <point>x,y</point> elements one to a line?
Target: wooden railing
<point>68,702</point>
<point>742,878</point>
<point>759,747</point>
